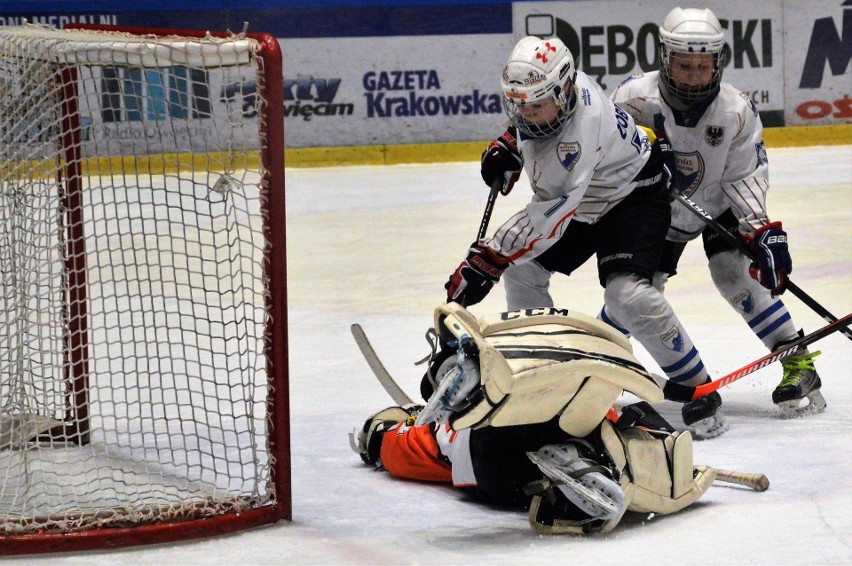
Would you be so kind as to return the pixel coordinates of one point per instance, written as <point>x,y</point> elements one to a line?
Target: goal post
<point>144,394</point>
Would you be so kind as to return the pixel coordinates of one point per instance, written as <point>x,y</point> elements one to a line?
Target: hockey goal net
<point>143,344</point>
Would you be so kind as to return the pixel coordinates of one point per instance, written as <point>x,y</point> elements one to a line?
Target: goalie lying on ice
<point>521,413</point>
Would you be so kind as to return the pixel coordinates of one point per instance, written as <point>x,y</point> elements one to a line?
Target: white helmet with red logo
<point>690,30</point>
<point>539,70</point>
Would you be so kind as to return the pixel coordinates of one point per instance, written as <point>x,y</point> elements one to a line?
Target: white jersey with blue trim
<point>578,174</point>
<point>719,153</point>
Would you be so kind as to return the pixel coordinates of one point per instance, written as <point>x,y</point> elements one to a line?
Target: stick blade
<point>19,428</point>
<point>390,385</point>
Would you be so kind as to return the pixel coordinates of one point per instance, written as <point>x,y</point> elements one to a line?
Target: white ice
<point>375,244</point>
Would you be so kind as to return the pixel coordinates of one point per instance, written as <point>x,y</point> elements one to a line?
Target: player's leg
<point>631,240</point>
<point>667,268</point>
<point>527,286</point>
<point>768,318</point>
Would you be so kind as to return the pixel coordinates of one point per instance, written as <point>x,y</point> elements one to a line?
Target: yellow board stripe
<point>799,136</point>
<point>470,151</point>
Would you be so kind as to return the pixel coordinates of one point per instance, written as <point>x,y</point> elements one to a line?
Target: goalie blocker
<point>520,412</point>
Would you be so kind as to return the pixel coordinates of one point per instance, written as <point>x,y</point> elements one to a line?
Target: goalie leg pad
<point>659,468</point>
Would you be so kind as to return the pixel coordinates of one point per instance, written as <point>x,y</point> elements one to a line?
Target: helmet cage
<point>693,31</point>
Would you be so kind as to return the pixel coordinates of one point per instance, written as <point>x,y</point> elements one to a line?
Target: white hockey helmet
<point>539,71</point>
<point>690,30</point>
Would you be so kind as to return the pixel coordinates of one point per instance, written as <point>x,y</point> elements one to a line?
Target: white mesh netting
<point>133,368</point>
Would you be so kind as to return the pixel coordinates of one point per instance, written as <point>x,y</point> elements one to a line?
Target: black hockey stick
<point>496,187</point>
<point>741,246</point>
<point>683,393</point>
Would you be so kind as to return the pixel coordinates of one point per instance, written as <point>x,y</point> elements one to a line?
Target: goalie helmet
<point>686,34</point>
<point>538,86</point>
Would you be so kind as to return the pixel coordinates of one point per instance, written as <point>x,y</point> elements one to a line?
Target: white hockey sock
<point>632,303</point>
<point>527,286</point>
<point>766,315</point>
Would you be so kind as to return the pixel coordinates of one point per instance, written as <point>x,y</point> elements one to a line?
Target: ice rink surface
<point>375,245</point>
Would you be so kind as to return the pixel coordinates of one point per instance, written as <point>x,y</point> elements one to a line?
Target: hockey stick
<point>757,482</point>
<point>393,389</point>
<point>741,246</point>
<point>496,187</point>
<point>18,429</point>
<point>684,393</point>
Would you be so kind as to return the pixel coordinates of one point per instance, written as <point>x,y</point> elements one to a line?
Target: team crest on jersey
<point>569,154</point>
<point>713,135</point>
<point>762,158</point>
<point>673,340</point>
<point>690,172</point>
<point>744,301</point>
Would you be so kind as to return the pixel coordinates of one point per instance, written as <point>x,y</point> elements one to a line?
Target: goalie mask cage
<point>143,343</point>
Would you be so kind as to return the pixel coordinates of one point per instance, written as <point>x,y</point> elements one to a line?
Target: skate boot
<point>704,416</point>
<point>798,393</point>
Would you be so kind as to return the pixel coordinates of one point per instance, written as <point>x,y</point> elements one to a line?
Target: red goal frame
<point>190,525</point>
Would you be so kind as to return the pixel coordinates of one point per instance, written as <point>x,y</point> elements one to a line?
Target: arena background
<point>381,81</point>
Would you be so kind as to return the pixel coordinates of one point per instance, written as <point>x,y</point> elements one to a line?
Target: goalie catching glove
<point>476,275</point>
<point>502,160</point>
<point>773,263</point>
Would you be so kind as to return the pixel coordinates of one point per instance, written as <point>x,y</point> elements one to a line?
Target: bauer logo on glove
<point>772,262</point>
<point>476,275</point>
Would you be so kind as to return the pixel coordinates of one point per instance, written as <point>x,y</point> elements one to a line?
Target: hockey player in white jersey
<point>600,187</point>
<point>721,163</point>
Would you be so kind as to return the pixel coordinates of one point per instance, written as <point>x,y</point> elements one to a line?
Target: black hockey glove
<point>773,263</point>
<point>502,160</point>
<point>659,171</point>
<point>475,276</point>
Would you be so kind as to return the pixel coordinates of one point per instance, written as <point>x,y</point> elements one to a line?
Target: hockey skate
<point>584,482</point>
<point>798,393</point>
<point>704,417</point>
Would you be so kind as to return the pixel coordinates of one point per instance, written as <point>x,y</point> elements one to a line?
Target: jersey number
<point>622,119</point>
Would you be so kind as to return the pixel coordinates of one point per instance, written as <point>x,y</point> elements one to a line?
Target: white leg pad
<point>658,467</point>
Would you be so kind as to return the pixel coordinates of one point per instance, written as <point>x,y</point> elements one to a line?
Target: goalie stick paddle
<point>684,393</point>
<point>740,245</point>
<point>387,381</point>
